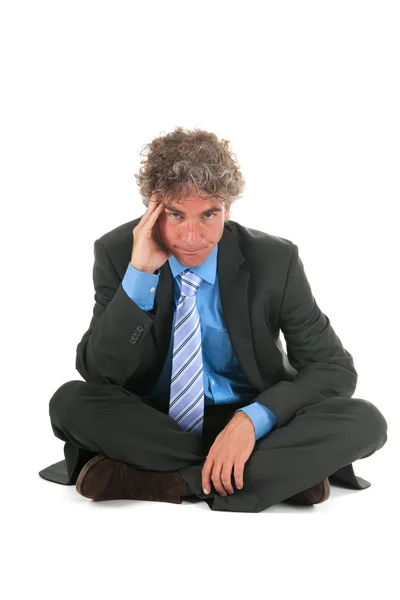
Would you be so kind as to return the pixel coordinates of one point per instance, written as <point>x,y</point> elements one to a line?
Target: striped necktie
<point>186,403</point>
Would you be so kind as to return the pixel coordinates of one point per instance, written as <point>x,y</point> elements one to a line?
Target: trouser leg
<point>318,441</point>
<point>108,419</point>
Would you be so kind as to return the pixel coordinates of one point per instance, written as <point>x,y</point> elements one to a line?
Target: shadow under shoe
<point>103,478</point>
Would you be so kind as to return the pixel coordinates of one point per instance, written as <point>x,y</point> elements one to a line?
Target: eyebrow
<point>180,212</point>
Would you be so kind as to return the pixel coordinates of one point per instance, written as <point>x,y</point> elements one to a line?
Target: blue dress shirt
<point>224,383</point>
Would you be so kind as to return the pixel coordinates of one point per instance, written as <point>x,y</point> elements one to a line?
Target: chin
<point>186,259</point>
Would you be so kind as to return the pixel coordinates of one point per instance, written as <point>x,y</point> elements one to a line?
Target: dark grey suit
<point>321,429</point>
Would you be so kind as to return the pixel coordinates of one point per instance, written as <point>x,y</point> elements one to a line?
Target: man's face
<point>192,224</point>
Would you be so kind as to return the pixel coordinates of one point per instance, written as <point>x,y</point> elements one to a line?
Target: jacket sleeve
<point>324,368</point>
<point>108,352</point>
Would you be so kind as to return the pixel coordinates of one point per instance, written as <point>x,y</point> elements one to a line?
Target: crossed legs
<point>318,441</point>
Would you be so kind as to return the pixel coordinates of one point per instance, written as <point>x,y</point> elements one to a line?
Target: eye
<point>212,215</point>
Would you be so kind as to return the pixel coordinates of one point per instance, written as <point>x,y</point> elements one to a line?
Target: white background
<point>308,95</point>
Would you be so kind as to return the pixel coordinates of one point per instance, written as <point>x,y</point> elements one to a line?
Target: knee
<point>62,400</point>
<point>370,419</point>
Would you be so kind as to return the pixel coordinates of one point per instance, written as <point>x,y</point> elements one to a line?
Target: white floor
<point>61,545</point>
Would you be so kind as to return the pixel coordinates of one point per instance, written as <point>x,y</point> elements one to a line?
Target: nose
<point>191,235</point>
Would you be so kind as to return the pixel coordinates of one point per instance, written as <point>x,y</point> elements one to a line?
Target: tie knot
<point>190,283</point>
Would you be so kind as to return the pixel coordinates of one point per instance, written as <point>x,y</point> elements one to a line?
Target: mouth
<point>191,251</point>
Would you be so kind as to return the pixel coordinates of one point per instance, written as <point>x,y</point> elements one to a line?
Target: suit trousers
<point>316,443</point>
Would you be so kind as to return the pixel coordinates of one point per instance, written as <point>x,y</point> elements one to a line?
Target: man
<point>187,389</point>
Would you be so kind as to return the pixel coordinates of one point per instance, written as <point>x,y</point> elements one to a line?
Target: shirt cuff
<point>263,418</point>
<point>140,286</point>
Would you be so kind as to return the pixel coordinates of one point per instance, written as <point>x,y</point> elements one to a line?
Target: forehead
<point>193,207</point>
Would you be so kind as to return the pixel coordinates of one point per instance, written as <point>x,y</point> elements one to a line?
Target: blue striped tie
<point>186,403</point>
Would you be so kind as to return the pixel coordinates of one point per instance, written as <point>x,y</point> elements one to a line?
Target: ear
<point>227,213</point>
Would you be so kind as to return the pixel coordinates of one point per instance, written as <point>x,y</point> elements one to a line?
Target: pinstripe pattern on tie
<point>186,403</point>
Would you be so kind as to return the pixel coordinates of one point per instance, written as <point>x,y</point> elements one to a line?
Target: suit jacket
<point>264,290</point>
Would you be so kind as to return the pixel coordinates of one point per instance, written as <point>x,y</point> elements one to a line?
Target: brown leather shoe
<point>314,495</point>
<point>103,478</point>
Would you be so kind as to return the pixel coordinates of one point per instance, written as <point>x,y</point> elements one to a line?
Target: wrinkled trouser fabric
<point>316,443</point>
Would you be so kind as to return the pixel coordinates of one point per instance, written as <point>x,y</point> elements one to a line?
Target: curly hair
<point>175,162</point>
